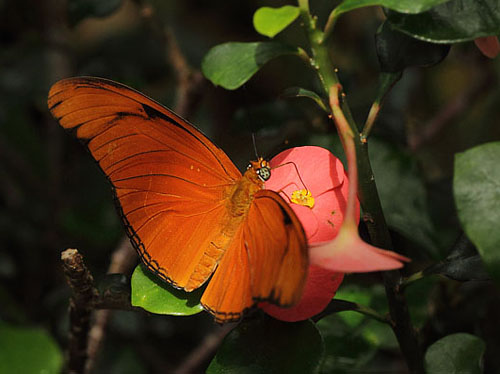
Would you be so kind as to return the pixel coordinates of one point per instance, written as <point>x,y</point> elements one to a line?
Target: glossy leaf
<point>267,345</point>
<point>407,213</point>
<point>462,264</point>
<point>455,354</point>
<point>28,350</point>
<point>270,21</point>
<point>78,10</point>
<point>451,22</point>
<point>231,64</point>
<point>152,294</point>
<point>397,51</point>
<point>476,187</point>
<point>402,6</point>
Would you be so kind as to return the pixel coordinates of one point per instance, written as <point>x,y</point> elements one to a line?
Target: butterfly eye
<point>264,173</point>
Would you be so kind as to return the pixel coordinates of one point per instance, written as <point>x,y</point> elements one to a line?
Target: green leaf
<point>397,51</point>
<point>402,194</point>
<point>452,22</point>
<point>462,264</point>
<point>476,188</point>
<point>78,10</point>
<point>28,350</point>
<point>270,21</point>
<point>401,6</point>
<point>302,92</point>
<point>230,65</point>
<point>455,354</point>
<point>156,296</point>
<point>269,346</point>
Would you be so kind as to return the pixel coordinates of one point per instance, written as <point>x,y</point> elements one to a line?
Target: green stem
<point>412,278</point>
<point>386,82</point>
<point>338,305</point>
<point>368,194</point>
<point>371,313</point>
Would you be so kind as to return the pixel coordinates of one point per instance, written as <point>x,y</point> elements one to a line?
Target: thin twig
<point>337,306</point>
<point>122,261</point>
<point>190,82</point>
<point>446,116</point>
<point>82,284</point>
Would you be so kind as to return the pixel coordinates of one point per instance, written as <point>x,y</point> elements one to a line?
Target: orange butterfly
<point>190,214</point>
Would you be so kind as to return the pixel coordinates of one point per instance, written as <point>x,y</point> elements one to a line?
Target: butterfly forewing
<point>171,182</point>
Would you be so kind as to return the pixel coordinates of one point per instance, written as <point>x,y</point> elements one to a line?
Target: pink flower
<point>318,171</point>
<point>315,184</point>
<point>488,45</point>
<point>321,213</point>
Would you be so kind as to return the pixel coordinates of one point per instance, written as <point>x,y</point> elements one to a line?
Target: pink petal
<point>347,253</point>
<point>308,161</point>
<point>329,210</point>
<point>319,290</point>
<point>488,45</point>
<point>307,218</point>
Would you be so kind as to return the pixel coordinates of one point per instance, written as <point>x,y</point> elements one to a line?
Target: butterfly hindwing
<point>267,261</point>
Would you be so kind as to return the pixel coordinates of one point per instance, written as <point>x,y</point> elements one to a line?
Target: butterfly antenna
<point>296,169</point>
<point>255,145</point>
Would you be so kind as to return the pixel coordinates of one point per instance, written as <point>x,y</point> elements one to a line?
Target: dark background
<point>52,195</point>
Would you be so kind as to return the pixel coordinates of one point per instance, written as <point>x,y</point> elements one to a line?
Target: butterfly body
<point>190,214</point>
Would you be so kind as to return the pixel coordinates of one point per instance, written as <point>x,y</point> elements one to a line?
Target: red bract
<point>316,170</point>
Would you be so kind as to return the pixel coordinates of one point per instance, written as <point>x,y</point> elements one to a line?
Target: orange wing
<point>170,181</point>
<point>266,261</point>
<point>172,187</point>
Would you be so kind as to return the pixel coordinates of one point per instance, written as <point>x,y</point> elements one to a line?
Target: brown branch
<point>80,308</point>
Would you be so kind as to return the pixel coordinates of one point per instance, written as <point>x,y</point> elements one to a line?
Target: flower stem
<point>368,194</point>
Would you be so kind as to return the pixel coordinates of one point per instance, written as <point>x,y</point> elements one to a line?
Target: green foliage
<point>152,294</point>
<point>271,21</point>
<point>397,51</point>
<point>78,10</point>
<point>451,22</point>
<point>455,354</point>
<point>28,350</point>
<point>476,187</point>
<point>231,64</point>
<point>402,194</point>
<point>269,346</point>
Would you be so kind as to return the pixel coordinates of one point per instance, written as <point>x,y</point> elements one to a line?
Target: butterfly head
<point>261,168</point>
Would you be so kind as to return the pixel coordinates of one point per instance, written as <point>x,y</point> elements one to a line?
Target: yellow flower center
<point>303,197</point>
